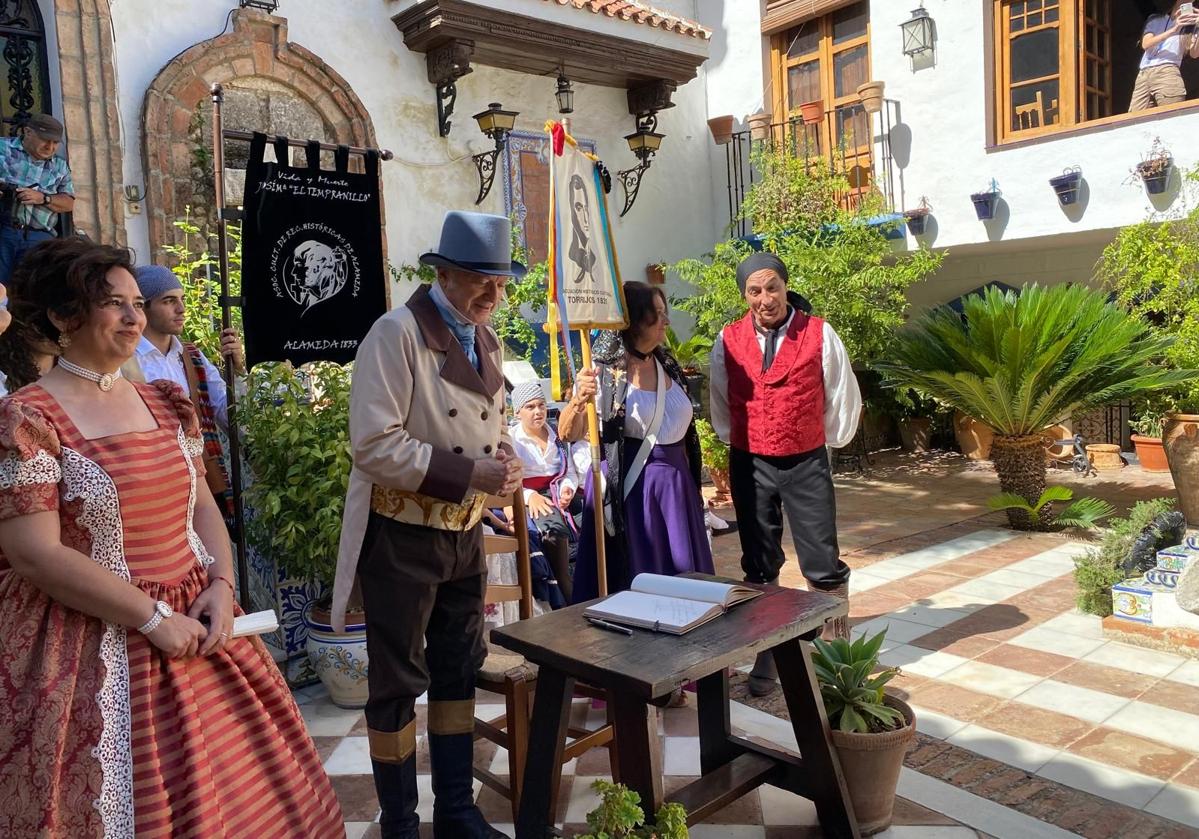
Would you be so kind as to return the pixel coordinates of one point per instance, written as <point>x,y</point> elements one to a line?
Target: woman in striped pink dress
<point>125,708</point>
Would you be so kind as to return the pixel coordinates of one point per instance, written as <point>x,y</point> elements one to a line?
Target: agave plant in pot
<point>715,454</point>
<point>1147,439</point>
<point>1020,361</point>
<point>871,729</point>
<point>298,448</point>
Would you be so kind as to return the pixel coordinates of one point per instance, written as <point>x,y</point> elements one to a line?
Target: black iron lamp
<point>565,95</point>
<point>644,144</point>
<point>495,122</point>
<point>268,6</point>
<point>918,33</point>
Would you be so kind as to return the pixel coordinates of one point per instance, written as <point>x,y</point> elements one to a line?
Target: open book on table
<point>669,604</point>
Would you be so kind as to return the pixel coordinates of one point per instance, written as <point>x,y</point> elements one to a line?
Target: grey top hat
<point>477,242</point>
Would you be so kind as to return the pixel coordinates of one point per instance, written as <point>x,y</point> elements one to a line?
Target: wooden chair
<point>509,675</point>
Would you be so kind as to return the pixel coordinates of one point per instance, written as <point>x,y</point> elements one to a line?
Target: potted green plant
<point>1077,351</point>
<point>1147,439</point>
<point>620,816</point>
<point>1101,567</point>
<point>914,415</point>
<point>298,448</point>
<point>917,218</point>
<point>986,201</point>
<point>871,729</point>
<point>691,355</point>
<point>715,455</point>
<point>1154,169</point>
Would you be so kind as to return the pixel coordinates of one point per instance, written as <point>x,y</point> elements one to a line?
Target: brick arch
<point>257,47</point>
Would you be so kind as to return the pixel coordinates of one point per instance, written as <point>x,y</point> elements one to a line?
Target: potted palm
<point>690,354</point>
<point>298,448</point>
<point>1019,362</point>
<point>871,729</point>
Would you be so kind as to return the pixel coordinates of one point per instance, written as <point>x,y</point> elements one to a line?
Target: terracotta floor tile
<point>872,604</point>
<point>1035,724</point>
<point>957,702</point>
<point>946,640</point>
<point>1189,776</point>
<point>1036,662</point>
<point>1111,680</point>
<point>909,813</point>
<point>1174,695</point>
<point>904,683</point>
<point>356,794</point>
<point>1117,748</point>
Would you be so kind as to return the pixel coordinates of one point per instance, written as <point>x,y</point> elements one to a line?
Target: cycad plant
<point>1020,362</point>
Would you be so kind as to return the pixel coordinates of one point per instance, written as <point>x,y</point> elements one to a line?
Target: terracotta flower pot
<point>1151,453</point>
<point>916,434</point>
<point>759,125</point>
<point>721,128</point>
<point>1180,438</point>
<point>871,764</point>
<point>974,438</point>
<point>871,94</point>
<point>1104,457</point>
<point>812,112</point>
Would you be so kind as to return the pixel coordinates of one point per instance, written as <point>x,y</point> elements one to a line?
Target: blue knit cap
<point>156,280</point>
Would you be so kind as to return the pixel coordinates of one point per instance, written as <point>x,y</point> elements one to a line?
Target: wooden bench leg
<point>551,716</point>
<point>712,697</point>
<point>640,756</point>
<point>810,723</point>
<point>517,709</point>
<point>613,746</point>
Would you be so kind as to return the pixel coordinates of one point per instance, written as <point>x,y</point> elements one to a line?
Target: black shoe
<point>455,815</point>
<point>395,785</point>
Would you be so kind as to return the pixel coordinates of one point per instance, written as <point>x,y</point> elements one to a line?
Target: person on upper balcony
<point>35,188</point>
<point>1167,39</point>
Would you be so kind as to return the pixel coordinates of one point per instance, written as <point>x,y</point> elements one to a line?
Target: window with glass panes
<point>1053,64</point>
<point>825,59</point>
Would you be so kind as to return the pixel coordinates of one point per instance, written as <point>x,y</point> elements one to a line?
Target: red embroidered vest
<point>779,412</point>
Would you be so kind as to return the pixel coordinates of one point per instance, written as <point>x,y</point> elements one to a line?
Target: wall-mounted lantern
<point>644,144</point>
<point>565,95</point>
<point>268,6</point>
<point>495,123</point>
<point>919,33</point>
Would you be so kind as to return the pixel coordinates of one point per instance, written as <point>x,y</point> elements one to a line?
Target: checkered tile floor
<point>767,813</point>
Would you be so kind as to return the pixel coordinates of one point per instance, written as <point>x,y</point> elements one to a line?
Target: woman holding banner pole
<point>652,505</point>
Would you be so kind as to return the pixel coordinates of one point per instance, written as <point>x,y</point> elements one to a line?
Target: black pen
<point>623,630</point>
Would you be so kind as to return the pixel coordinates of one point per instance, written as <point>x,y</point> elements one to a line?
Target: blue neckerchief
<point>463,329</point>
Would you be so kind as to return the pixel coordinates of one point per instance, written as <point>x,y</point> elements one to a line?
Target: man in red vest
<point>782,390</point>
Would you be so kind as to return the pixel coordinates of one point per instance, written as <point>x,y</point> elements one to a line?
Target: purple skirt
<point>664,533</point>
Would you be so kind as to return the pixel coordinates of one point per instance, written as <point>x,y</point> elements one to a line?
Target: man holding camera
<point>1166,41</point>
<point>37,187</point>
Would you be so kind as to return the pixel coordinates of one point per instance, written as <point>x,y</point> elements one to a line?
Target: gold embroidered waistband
<point>414,508</point>
<point>392,746</point>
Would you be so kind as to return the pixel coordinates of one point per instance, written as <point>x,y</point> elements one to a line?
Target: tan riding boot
<point>836,627</point>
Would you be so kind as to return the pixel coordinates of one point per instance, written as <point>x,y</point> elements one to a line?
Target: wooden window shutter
<point>783,14</point>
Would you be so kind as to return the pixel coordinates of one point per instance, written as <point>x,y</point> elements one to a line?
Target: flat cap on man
<point>45,126</point>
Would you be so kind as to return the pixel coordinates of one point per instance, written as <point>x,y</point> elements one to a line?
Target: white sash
<point>651,434</point>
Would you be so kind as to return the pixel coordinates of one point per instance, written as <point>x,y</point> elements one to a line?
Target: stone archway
<point>254,59</point>
<point>91,116</point>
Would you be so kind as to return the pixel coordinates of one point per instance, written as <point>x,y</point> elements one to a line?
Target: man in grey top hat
<point>35,187</point>
<point>429,444</point>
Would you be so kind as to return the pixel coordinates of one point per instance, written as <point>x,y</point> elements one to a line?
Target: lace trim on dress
<point>100,515</point>
<point>193,448</point>
<point>16,471</point>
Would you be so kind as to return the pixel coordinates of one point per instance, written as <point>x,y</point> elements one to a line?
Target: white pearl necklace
<point>104,381</point>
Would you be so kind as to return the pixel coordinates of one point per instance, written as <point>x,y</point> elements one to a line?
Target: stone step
<point>1177,558</point>
<point>1141,601</point>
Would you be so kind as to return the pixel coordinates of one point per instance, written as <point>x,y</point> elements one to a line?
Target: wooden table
<point>648,666</point>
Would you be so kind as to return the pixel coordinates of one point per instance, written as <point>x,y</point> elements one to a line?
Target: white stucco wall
<point>430,175</point>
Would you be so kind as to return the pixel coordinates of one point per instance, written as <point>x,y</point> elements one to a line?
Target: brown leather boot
<point>764,677</point>
<point>836,627</point>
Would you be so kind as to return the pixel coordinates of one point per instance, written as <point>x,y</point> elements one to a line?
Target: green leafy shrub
<point>198,268</point>
<point>851,690</point>
<point>690,354</point>
<point>298,447</point>
<point>1085,512</point>
<point>620,816</point>
<point>1100,568</point>
<point>713,450</point>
